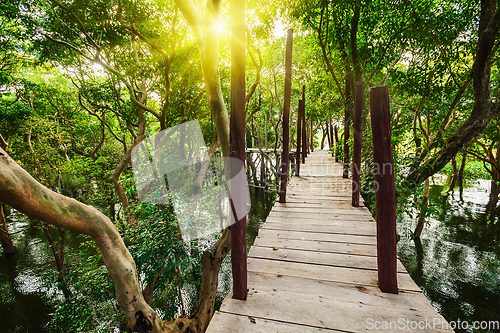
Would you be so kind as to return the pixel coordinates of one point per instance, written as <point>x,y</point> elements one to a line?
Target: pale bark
<point>22,192</point>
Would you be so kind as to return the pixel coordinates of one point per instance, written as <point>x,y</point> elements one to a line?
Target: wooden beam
<point>385,196</point>
<point>359,105</point>
<point>285,156</point>
<point>237,124</point>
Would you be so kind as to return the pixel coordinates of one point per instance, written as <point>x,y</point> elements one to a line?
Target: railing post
<point>345,173</point>
<point>357,125</point>
<point>285,155</point>
<point>385,196</point>
<point>304,132</point>
<point>312,137</point>
<point>299,139</point>
<point>336,143</point>
<point>237,130</point>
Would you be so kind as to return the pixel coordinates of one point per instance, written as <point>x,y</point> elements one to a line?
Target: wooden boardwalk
<point>313,267</point>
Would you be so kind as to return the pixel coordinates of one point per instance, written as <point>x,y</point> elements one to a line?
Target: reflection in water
<point>457,261</point>
<point>29,289</point>
<point>22,305</point>
<point>262,204</point>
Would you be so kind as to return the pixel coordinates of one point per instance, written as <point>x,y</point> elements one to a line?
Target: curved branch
<point>19,190</point>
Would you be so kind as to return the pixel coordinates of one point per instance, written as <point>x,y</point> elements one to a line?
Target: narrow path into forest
<point>313,266</point>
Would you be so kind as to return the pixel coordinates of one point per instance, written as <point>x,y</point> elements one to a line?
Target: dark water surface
<point>28,287</point>
<point>457,261</point>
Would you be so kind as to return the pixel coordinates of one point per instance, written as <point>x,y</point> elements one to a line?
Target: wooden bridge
<point>313,267</point>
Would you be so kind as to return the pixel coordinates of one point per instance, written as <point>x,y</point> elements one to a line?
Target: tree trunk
<point>461,176</point>
<point>8,247</point>
<point>58,253</point>
<point>484,107</point>
<point>423,210</point>
<point>455,175</point>
<point>253,169</point>
<point>323,139</point>
<point>115,175</point>
<point>495,185</point>
<point>28,196</point>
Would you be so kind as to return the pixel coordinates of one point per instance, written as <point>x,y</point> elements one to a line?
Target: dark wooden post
<point>357,125</point>
<point>327,127</point>
<point>285,155</point>
<point>336,142</point>
<point>385,195</point>
<point>312,137</point>
<point>330,131</point>
<point>299,139</point>
<point>348,82</point>
<point>304,131</point>
<point>237,132</point>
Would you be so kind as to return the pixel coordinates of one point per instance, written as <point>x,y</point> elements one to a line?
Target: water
<point>29,288</point>
<point>457,261</point>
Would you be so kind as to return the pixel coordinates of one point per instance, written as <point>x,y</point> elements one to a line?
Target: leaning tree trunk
<point>461,176</point>
<point>454,177</point>
<point>21,191</point>
<point>423,210</point>
<point>484,108</point>
<point>115,175</point>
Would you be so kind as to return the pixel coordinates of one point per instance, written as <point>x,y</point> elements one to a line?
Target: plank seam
<point>285,322</point>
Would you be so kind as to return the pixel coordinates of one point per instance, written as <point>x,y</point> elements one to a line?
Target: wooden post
<point>328,134</point>
<point>299,139</point>
<point>237,125</point>
<point>347,110</point>
<point>359,105</point>
<point>385,196</point>
<point>285,155</point>
<point>336,142</point>
<point>304,133</point>
<point>312,137</point>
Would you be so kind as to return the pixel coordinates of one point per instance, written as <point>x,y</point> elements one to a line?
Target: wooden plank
<point>292,305</point>
<point>327,273</point>
<point>346,292</point>
<point>319,246</point>
<point>318,258</point>
<point>326,228</point>
<point>326,212</point>
<point>230,322</point>
<point>313,266</point>
<point>319,237</point>
<point>336,220</point>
